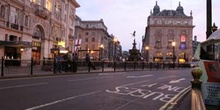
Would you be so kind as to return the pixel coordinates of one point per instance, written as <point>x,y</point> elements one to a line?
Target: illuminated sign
<point>183,38</point>
<point>61,43</point>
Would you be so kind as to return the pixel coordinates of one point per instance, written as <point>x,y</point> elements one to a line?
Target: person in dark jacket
<point>88,62</point>
<point>74,62</point>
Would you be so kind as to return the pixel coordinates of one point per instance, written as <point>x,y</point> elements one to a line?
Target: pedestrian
<point>88,62</point>
<point>58,63</point>
<point>74,62</point>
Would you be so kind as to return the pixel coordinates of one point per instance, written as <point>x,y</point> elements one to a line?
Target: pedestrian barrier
<point>18,67</point>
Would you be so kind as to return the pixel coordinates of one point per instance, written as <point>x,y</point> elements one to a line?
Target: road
<point>137,90</point>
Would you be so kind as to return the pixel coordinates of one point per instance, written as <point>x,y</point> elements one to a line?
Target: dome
<point>156,9</point>
<point>179,8</point>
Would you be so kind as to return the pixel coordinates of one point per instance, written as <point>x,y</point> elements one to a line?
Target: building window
<point>93,33</point>
<point>158,44</point>
<point>87,33</point>
<point>26,20</point>
<point>2,11</point>
<point>13,15</point>
<point>48,5</point>
<point>93,39</point>
<point>86,40</point>
<point>93,47</point>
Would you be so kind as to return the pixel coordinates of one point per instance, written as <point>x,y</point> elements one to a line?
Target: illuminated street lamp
<point>101,47</point>
<point>174,57</point>
<point>115,42</point>
<point>147,49</point>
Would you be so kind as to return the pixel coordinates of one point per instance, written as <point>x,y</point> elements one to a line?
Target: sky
<point>123,17</point>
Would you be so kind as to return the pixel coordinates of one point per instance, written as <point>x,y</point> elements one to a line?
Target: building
<point>35,28</point>
<point>168,36</point>
<point>94,39</point>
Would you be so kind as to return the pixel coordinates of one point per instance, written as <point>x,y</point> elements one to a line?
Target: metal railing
<point>14,67</point>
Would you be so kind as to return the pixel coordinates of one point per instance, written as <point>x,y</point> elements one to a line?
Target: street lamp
<point>174,57</point>
<point>147,49</point>
<point>101,47</point>
<point>115,42</point>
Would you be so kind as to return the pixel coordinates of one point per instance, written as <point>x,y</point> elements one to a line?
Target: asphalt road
<point>137,90</point>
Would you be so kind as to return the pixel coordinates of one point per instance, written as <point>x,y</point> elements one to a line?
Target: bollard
<point>2,71</point>
<point>134,66</point>
<point>32,65</point>
<point>150,65</point>
<point>196,73</point>
<point>54,65</point>
<point>102,66</point>
<point>143,65</point>
<point>114,65</point>
<point>125,66</point>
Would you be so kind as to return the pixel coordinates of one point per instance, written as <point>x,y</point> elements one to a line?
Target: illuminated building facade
<point>168,36</point>
<point>31,28</point>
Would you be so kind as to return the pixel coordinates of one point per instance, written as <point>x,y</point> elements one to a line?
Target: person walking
<point>88,62</point>
<point>58,63</point>
<point>74,62</point>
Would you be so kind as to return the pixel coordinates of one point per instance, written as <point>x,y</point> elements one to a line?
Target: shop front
<point>13,50</point>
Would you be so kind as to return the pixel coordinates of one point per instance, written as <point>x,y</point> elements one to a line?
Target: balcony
<point>41,11</point>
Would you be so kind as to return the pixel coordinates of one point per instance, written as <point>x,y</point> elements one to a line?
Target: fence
<point>14,67</point>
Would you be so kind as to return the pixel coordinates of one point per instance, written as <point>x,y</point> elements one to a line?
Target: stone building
<point>35,28</point>
<point>93,38</point>
<point>165,28</point>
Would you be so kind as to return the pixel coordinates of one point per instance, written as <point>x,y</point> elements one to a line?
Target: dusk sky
<point>123,17</point>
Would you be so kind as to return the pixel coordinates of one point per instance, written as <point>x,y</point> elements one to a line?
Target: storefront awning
<point>24,44</point>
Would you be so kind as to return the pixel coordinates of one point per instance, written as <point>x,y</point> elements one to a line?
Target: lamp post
<point>174,57</point>
<point>214,28</point>
<point>101,47</point>
<point>115,42</point>
<point>147,49</point>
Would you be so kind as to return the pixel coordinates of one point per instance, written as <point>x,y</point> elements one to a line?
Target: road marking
<point>18,86</point>
<point>62,100</point>
<point>142,76</point>
<point>174,100</point>
<point>166,77</point>
<point>85,79</point>
<point>126,104</point>
<point>134,83</point>
<point>102,74</point>
<point>177,81</point>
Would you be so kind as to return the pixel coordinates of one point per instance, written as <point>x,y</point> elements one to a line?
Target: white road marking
<point>85,79</point>
<point>18,86</point>
<point>127,104</point>
<point>174,100</point>
<point>166,77</point>
<point>112,73</point>
<point>134,83</point>
<point>62,100</point>
<point>177,81</point>
<point>142,76</point>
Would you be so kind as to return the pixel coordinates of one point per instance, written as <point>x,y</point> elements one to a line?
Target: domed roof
<point>179,8</point>
<point>156,7</point>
